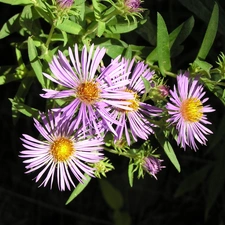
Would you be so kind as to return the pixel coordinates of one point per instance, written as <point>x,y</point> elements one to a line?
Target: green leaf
<point>131,174</point>
<point>11,26</point>
<point>121,28</point>
<point>17,2</point>
<point>20,96</point>
<point>168,149</point>
<point>24,109</point>
<point>80,187</point>
<point>114,51</point>
<point>203,65</point>
<point>112,196</point>
<point>176,37</point>
<point>163,45</point>
<point>210,34</point>
<point>171,154</point>
<point>98,9</point>
<point>9,74</point>
<point>35,62</point>
<point>70,27</point>
<point>101,28</point>
<point>192,181</point>
<point>45,14</point>
<point>147,88</point>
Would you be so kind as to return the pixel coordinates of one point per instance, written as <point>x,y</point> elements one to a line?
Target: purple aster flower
<point>64,3</point>
<point>62,155</point>
<point>152,165</point>
<point>188,112</point>
<point>136,118</point>
<point>89,87</point>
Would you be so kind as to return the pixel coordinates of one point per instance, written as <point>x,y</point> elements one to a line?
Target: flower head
<point>152,165</point>
<point>133,5</point>
<point>136,118</point>
<point>188,113</point>
<point>89,88</point>
<point>64,3</point>
<point>62,155</point>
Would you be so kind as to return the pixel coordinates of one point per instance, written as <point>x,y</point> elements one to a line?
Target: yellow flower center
<point>62,149</point>
<point>134,102</point>
<point>191,110</point>
<point>88,92</point>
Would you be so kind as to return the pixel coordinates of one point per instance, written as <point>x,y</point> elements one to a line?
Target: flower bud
<point>152,165</point>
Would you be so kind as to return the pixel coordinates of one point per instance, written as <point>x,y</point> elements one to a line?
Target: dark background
<point>149,201</point>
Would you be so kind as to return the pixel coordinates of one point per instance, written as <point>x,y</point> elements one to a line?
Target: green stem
<point>50,36</point>
<point>170,74</point>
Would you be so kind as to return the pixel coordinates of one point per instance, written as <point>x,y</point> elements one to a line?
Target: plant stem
<point>50,36</point>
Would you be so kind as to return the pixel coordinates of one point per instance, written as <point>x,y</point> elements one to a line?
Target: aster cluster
<point>98,99</point>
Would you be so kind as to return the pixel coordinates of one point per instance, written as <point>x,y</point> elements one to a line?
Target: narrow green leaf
<point>163,45</point>
<point>70,27</point>
<point>210,33</point>
<point>24,109</point>
<point>44,13</point>
<point>80,187</point>
<point>112,196</point>
<point>11,26</point>
<point>184,32</point>
<point>20,96</point>
<point>171,154</point>
<point>35,62</point>
<point>9,74</point>
<point>131,174</point>
<point>17,2</point>
<point>168,149</point>
<point>176,37</point>
<point>147,88</point>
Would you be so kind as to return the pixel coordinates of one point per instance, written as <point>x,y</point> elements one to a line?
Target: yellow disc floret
<point>134,103</point>
<point>88,92</point>
<point>191,110</point>
<point>62,149</point>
